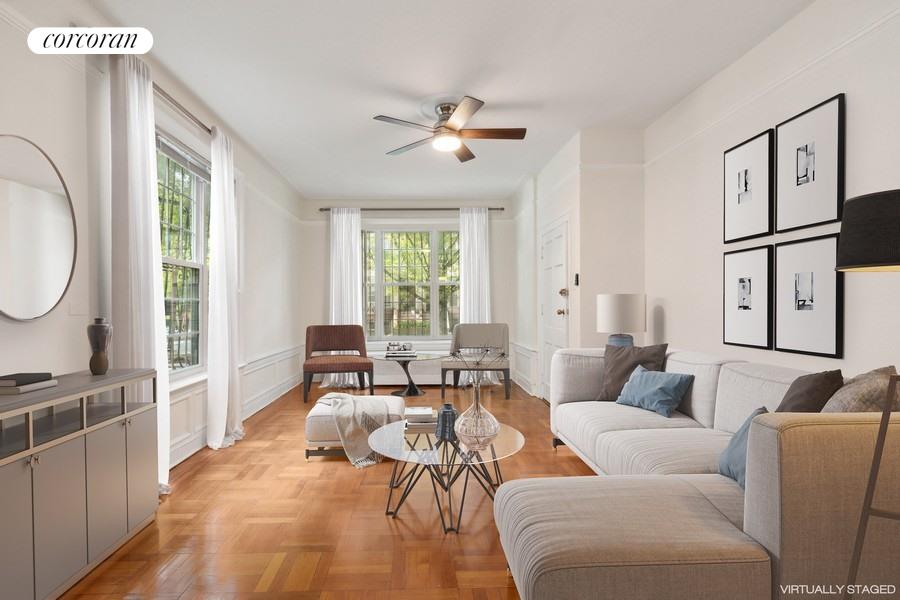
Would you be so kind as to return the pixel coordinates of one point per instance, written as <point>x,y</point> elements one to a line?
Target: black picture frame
<point>840,175</point>
<point>770,296</point>
<point>839,302</point>
<point>769,186</point>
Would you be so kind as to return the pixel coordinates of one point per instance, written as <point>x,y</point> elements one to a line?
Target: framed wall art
<point>810,167</point>
<point>747,297</point>
<point>809,297</point>
<point>749,189</point>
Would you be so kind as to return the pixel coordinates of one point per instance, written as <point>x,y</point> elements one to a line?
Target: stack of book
<point>21,383</point>
<point>400,354</point>
<point>420,419</point>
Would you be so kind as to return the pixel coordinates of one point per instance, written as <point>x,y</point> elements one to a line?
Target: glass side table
<point>417,451</point>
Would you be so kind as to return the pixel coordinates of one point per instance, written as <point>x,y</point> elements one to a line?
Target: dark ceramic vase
<point>99,334</point>
<point>446,419</point>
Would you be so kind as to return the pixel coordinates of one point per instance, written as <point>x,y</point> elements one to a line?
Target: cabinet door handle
<point>128,421</point>
<point>34,461</point>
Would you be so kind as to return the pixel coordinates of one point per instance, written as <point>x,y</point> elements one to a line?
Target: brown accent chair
<point>334,338</point>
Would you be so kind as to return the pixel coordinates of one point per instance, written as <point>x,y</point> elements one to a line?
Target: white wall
<point>832,47</point>
<point>43,99</point>
<point>61,102</point>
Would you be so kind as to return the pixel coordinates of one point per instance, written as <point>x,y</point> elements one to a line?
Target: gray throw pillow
<point>863,393</point>
<point>733,460</point>
<point>620,361</point>
<point>809,393</point>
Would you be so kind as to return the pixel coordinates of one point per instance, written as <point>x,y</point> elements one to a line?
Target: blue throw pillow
<point>655,390</point>
<point>733,461</point>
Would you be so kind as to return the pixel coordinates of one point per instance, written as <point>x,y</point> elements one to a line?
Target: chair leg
<point>371,382</point>
<point>307,383</point>
<point>362,380</point>
<point>456,378</point>
<point>507,384</point>
<point>443,381</point>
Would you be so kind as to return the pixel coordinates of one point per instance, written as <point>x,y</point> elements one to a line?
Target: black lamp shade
<point>870,233</point>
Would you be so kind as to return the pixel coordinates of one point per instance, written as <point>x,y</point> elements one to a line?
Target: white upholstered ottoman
<point>321,435</point>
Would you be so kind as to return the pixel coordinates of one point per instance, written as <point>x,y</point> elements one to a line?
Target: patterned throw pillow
<point>863,393</point>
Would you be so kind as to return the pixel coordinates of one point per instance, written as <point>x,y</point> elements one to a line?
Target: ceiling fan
<point>447,133</point>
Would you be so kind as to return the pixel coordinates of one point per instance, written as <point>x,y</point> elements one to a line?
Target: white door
<point>554,299</point>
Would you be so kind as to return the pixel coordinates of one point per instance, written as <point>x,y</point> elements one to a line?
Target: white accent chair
<point>470,336</point>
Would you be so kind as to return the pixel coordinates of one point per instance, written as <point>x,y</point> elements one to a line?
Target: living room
<point>403,299</point>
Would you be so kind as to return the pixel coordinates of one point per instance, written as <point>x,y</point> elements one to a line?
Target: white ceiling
<point>301,80</point>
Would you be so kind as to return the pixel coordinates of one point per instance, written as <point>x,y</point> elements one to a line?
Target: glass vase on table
<point>476,427</point>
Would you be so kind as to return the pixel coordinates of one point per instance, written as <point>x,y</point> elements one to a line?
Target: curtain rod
<point>180,108</point>
<point>427,209</point>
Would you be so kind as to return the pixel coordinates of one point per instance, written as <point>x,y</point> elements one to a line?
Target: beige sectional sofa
<point>660,522</point>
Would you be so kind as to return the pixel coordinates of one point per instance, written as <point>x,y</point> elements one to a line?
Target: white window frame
<point>199,252</point>
<point>382,226</point>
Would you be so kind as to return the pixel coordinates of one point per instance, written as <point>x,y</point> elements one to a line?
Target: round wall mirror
<point>37,231</point>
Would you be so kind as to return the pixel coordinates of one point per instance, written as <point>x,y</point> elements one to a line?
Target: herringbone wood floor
<point>257,521</point>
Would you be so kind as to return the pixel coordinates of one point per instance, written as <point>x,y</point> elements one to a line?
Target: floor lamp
<point>870,242</point>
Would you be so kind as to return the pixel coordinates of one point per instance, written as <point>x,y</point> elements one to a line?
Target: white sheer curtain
<point>137,305</point>
<point>346,280</point>
<point>475,272</point>
<point>224,421</point>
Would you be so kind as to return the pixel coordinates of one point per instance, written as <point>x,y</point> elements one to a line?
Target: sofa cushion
<point>660,451</point>
<point>624,537</point>
<point>655,390</point>
<point>320,429</point>
<point>699,401</point>
<point>744,387</point>
<point>722,492</point>
<point>579,423</point>
<point>620,361</point>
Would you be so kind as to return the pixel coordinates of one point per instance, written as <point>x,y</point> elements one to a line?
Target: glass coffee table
<point>411,388</point>
<point>416,452</point>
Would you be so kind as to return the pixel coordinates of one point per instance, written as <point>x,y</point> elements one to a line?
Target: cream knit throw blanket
<point>355,418</point>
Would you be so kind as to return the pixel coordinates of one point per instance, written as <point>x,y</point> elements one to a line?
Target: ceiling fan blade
<point>408,147</point>
<point>467,107</point>
<point>493,134</point>
<point>404,123</point>
<point>463,153</point>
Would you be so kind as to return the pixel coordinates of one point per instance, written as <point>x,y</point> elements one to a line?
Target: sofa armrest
<point>576,374</point>
<point>806,479</point>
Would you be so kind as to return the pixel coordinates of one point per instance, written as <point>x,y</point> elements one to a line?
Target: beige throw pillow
<point>863,393</point>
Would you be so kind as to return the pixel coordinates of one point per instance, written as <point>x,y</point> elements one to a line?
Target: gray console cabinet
<point>16,549</point>
<point>78,479</point>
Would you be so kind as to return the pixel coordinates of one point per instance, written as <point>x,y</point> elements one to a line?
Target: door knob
<point>564,292</point>
<point>561,311</point>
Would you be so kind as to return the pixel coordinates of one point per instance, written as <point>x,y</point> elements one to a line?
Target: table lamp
<point>620,315</point>
<point>870,242</point>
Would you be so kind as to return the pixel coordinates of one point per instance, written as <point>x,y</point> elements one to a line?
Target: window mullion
<point>379,284</point>
<point>432,272</point>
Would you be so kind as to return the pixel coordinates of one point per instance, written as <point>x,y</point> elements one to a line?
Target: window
<point>183,189</point>
<point>410,283</point>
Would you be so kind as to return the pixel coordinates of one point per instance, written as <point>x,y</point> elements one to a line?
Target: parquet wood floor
<point>256,521</point>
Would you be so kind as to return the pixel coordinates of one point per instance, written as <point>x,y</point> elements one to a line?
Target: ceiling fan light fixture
<point>446,142</point>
